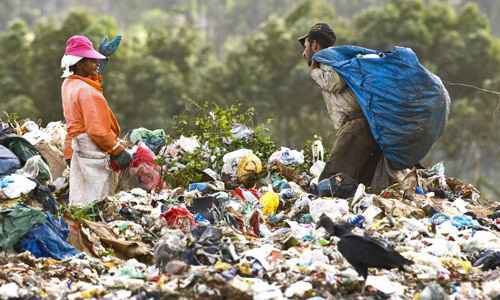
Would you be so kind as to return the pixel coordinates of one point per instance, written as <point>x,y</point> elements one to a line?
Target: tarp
<point>49,240</point>
<point>23,149</point>
<point>405,104</point>
<point>9,162</point>
<point>16,222</point>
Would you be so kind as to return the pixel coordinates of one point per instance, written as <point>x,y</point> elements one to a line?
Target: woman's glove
<point>121,161</point>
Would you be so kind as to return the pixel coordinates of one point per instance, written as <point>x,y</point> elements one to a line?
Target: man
<point>92,138</point>
<point>355,152</point>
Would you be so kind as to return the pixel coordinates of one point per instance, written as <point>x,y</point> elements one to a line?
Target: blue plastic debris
<point>405,104</point>
<point>49,240</point>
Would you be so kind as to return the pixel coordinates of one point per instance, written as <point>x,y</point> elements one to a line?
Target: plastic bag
<point>15,185</point>
<point>287,157</point>
<point>333,208</point>
<point>249,195</point>
<point>179,217</point>
<point>317,168</point>
<point>248,167</point>
<point>36,168</point>
<point>232,159</point>
<point>34,135</point>
<point>143,166</point>
<point>154,139</point>
<point>270,202</point>
<point>188,144</point>
<point>240,132</point>
<point>339,185</point>
<point>143,155</point>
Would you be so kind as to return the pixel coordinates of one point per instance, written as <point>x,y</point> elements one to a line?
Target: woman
<point>92,138</point>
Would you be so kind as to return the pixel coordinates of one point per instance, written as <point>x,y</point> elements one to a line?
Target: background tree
<point>177,54</point>
<point>15,76</point>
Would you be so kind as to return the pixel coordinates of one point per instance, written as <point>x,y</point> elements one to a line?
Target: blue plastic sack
<point>465,221</point>
<point>405,105</point>
<point>9,162</point>
<point>49,240</point>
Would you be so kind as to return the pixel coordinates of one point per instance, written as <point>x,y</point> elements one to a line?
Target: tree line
<point>167,64</point>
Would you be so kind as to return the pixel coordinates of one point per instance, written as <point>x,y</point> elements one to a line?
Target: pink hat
<point>79,45</point>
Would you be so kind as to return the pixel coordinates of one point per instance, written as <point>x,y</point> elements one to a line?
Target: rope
<point>492,92</point>
<point>483,90</point>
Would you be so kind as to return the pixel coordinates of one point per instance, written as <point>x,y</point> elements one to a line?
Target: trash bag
<point>9,162</point>
<point>145,168</point>
<point>249,167</point>
<point>36,168</point>
<point>208,207</point>
<point>143,155</point>
<point>209,247</point>
<point>232,159</point>
<point>15,185</point>
<point>270,202</point>
<point>489,260</point>
<point>49,240</point>
<point>339,185</point>
<point>43,195</point>
<point>154,139</point>
<point>16,222</point>
<point>287,157</point>
<point>178,217</point>
<point>405,105</point>
<point>23,149</point>
<point>241,132</point>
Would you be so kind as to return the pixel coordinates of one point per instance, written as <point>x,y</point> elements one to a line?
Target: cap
<point>320,31</point>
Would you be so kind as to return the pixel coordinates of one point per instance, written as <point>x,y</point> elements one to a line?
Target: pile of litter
<point>249,230</point>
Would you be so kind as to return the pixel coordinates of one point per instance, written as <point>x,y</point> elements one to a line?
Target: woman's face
<point>87,67</point>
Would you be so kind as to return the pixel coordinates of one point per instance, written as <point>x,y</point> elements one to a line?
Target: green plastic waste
<point>130,272</point>
<point>17,221</point>
<point>154,139</point>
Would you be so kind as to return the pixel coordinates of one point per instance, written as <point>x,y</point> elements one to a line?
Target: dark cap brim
<point>302,39</point>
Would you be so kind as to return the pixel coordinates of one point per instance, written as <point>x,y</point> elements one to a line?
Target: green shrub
<point>212,125</point>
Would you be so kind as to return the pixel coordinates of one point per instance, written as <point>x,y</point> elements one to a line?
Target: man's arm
<point>327,78</point>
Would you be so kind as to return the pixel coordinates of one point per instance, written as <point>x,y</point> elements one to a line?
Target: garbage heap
<point>246,231</point>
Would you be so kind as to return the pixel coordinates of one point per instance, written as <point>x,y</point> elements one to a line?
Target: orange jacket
<point>87,111</point>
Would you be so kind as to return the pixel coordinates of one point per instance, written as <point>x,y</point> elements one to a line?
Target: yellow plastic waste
<point>93,292</point>
<point>245,268</point>
<point>248,166</point>
<point>270,202</point>
<point>222,266</point>
<point>457,265</point>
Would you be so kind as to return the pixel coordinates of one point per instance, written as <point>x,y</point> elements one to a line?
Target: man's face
<point>310,47</point>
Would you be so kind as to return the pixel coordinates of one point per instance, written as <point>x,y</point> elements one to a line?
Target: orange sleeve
<point>98,120</point>
<point>68,149</point>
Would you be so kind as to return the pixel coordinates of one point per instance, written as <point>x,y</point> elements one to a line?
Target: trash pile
<point>257,228</point>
